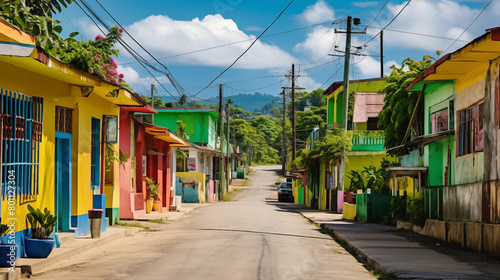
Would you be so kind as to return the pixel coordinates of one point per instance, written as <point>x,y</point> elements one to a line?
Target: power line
<point>418,34</point>
<point>468,26</point>
<point>407,3</point>
<point>257,88</point>
<point>238,58</point>
<point>378,13</point>
<point>134,54</point>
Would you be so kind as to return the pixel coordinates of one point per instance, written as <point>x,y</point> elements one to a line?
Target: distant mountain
<point>248,102</point>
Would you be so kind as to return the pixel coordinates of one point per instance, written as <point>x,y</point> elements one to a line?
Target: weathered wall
<point>462,202</point>
<point>189,193</point>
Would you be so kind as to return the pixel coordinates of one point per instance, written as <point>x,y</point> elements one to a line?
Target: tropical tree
<point>308,120</point>
<point>400,103</point>
<point>314,98</point>
<point>35,17</point>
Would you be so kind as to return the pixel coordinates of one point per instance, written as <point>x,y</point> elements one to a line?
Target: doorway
<point>63,182</point>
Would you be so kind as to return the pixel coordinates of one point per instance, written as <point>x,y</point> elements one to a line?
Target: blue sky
<point>171,29</point>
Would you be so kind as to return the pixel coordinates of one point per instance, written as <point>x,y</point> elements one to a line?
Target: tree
<point>314,98</point>
<point>400,103</point>
<point>35,17</point>
<point>158,100</point>
<point>181,130</point>
<point>308,120</point>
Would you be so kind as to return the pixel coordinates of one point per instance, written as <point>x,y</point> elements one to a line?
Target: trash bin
<point>95,217</point>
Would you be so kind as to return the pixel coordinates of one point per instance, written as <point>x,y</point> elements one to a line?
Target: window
<point>64,119</point>
<point>440,121</point>
<point>95,155</point>
<point>470,133</point>
<point>22,124</point>
<point>372,124</point>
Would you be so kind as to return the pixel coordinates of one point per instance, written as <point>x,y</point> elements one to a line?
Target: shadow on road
<point>262,232</point>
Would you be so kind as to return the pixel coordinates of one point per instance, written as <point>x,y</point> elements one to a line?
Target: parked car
<point>285,191</point>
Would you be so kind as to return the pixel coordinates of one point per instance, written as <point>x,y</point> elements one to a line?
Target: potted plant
<point>41,225</point>
<point>5,249</point>
<point>152,202</point>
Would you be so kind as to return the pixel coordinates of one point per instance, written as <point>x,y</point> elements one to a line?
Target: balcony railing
<point>368,140</point>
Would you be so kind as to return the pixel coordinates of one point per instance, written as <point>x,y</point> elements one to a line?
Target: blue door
<point>63,181</point>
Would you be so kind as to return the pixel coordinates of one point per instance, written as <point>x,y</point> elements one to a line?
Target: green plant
<point>398,207</point>
<point>41,223</point>
<point>35,17</point>
<point>357,182</point>
<point>153,188</point>
<point>4,229</point>
<point>122,158</point>
<point>375,177</point>
<point>416,212</point>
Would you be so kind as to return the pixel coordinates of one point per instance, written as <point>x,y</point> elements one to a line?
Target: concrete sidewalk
<point>405,254</point>
<point>69,247</point>
<point>185,209</point>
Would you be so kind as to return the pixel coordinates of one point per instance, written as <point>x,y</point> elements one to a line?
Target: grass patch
<point>245,182</point>
<point>158,221</point>
<point>388,276</point>
<point>227,197</point>
<point>128,224</point>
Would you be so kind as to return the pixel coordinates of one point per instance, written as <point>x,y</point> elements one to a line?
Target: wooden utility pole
<point>152,102</point>
<point>221,135</point>
<point>294,133</point>
<point>381,53</point>
<point>227,142</point>
<point>284,146</point>
<point>347,61</point>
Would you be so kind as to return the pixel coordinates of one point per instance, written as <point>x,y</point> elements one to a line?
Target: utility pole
<point>347,61</point>
<point>221,135</point>
<point>294,133</point>
<point>227,140</point>
<point>284,146</point>
<point>381,53</point>
<point>152,102</point>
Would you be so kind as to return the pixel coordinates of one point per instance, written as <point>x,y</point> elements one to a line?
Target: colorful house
<point>460,144</point>
<point>368,142</point>
<point>201,123</point>
<point>151,155</point>
<point>56,124</point>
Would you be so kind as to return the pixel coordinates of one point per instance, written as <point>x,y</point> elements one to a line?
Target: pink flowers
<point>113,62</point>
<point>120,30</point>
<point>98,37</point>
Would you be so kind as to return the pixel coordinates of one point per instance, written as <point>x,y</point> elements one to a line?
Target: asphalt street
<point>251,237</point>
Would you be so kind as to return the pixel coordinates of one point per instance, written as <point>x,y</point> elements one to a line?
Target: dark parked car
<point>285,191</point>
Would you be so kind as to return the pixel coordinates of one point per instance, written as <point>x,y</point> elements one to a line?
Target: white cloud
<point>443,18</point>
<point>165,37</point>
<point>369,67</point>
<point>318,44</point>
<point>317,13</point>
<point>136,82</point>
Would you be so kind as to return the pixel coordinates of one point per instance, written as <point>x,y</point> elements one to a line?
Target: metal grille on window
<point>64,119</point>
<point>22,118</point>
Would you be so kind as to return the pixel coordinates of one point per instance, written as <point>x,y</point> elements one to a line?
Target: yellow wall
<point>358,160</point>
<point>56,92</point>
<point>349,211</point>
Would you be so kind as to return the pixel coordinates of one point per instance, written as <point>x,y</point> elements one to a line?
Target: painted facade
<point>368,143</point>
<point>66,121</point>
<point>464,163</point>
<point>150,155</point>
<point>201,123</point>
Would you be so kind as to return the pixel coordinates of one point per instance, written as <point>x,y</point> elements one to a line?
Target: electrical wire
<point>468,26</point>
<point>238,58</point>
<point>392,20</point>
<point>378,13</point>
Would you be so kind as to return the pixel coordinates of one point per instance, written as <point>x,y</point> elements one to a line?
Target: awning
<point>420,141</point>
<point>14,42</point>
<point>367,105</point>
<point>139,109</point>
<point>164,134</point>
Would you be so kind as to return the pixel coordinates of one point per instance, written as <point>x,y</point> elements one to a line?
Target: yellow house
<point>56,123</point>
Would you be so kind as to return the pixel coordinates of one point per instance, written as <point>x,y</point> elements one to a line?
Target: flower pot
<point>149,205</point>
<point>156,205</point>
<point>7,255</point>
<point>38,248</point>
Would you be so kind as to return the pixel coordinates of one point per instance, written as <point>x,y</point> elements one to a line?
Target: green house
<point>201,123</point>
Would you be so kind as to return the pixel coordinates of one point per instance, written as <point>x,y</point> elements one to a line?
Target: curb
<point>44,263</point>
<point>359,255</point>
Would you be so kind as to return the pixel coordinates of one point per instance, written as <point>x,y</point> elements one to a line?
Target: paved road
<point>252,237</point>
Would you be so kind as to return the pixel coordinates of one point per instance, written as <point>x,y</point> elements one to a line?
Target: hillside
<point>248,102</point>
